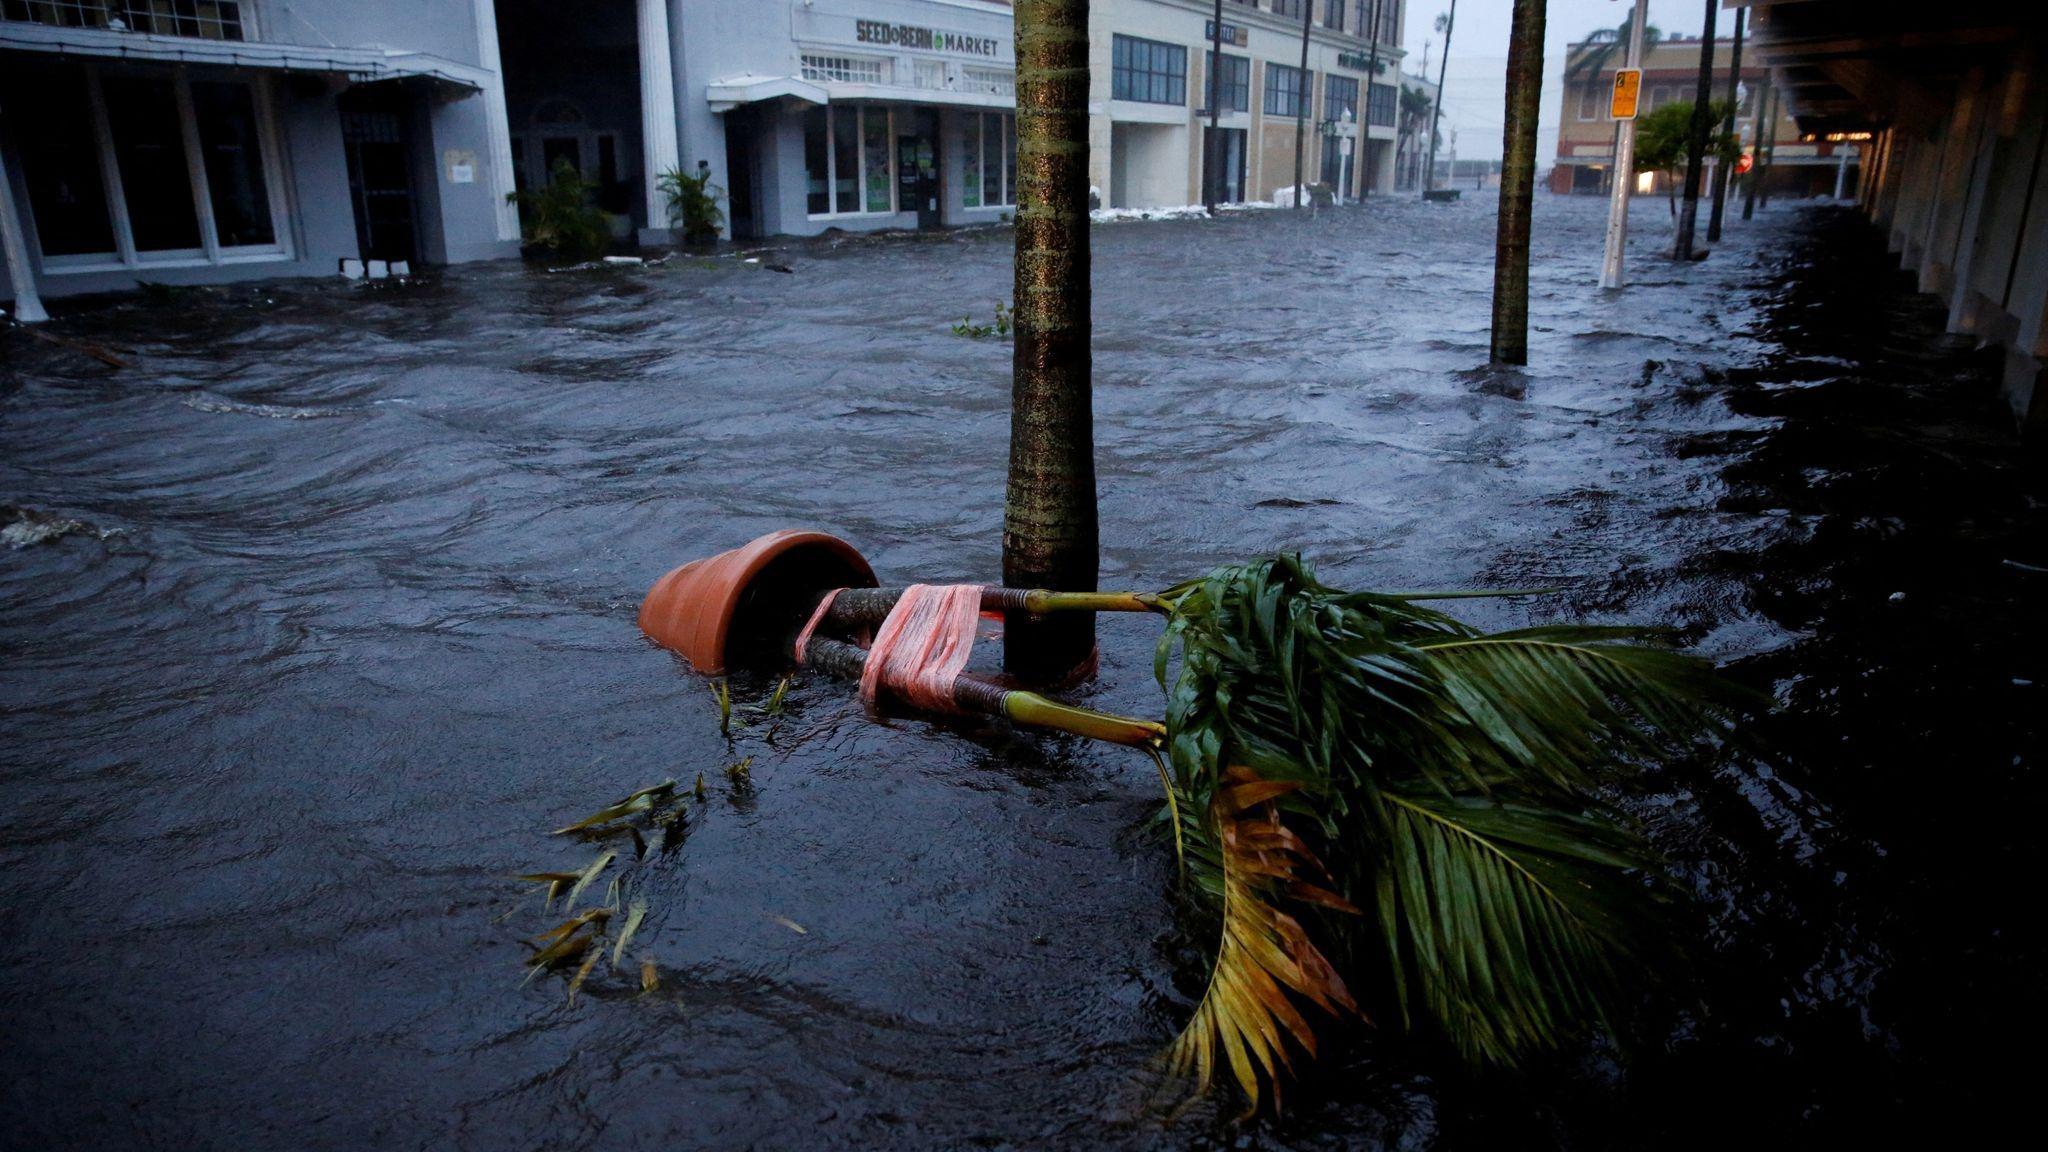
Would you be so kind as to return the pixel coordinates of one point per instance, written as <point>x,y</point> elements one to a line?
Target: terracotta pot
<point>750,600</point>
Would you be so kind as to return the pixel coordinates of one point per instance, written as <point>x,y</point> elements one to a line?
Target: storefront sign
<point>1360,63</point>
<point>921,37</point>
<point>1232,34</point>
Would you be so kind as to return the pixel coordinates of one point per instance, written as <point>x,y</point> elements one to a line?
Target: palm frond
<point>1455,780</point>
<point>1504,924</point>
<point>1247,1016</point>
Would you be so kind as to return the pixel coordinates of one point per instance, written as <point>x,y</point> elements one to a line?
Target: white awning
<point>749,88</point>
<point>358,64</point>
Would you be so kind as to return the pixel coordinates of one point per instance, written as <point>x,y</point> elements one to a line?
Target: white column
<point>497,124</point>
<point>657,108</point>
<point>28,307</point>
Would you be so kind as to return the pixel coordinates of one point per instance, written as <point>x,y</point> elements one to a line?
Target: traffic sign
<point>1628,86</point>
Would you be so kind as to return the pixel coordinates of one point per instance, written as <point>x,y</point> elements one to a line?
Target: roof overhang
<point>360,65</point>
<point>749,88</point>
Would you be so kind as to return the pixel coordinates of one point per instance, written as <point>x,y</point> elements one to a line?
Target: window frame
<point>1123,75</point>
<point>1393,104</point>
<point>1275,70</point>
<point>1331,82</point>
<point>1234,61</point>
<point>1589,98</point>
<point>210,252</point>
<point>977,161</point>
<point>860,183</point>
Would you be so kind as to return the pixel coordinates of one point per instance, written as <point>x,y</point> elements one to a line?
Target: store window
<point>1340,98</point>
<point>1286,89</point>
<point>127,168</point>
<point>991,161</point>
<point>848,162</point>
<point>1236,77</point>
<point>1148,71</point>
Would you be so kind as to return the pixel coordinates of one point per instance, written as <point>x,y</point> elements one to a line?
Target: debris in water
<point>641,801</point>
<point>792,925</point>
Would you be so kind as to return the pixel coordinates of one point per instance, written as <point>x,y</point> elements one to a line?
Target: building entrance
<point>917,167</point>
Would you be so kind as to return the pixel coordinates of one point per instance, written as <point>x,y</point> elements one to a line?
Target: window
<point>1285,90</point>
<point>1333,14</point>
<point>1589,100</point>
<point>1380,105</point>
<point>1236,78</point>
<point>848,162</point>
<point>1340,97</point>
<point>990,143</point>
<point>845,69</point>
<point>1287,8</point>
<point>131,168</point>
<point>1148,71</point>
<point>204,19</point>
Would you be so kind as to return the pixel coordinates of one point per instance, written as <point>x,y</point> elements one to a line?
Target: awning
<point>749,88</point>
<point>361,65</point>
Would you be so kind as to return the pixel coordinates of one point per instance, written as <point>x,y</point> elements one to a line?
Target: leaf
<point>634,916</point>
<point>792,925</point>
<point>650,976</point>
<point>589,874</point>
<point>640,801</point>
<point>583,972</point>
<point>1264,954</point>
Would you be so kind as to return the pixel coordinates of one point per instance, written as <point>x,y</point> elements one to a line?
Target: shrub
<point>693,205</point>
<point>560,219</point>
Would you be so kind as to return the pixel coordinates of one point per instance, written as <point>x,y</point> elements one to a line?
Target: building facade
<point>197,141</point>
<point>1149,96</point>
<point>1799,166</point>
<point>201,141</point>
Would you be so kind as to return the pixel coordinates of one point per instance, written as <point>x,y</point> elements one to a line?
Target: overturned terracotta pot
<point>750,600</point>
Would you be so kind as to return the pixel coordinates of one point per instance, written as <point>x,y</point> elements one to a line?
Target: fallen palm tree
<point>1359,785</point>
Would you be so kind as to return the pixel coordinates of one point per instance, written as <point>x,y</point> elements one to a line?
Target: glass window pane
<point>875,146</point>
<point>817,168</point>
<point>846,159</point>
<point>231,148</point>
<point>970,148</point>
<point>992,158</point>
<point>1009,159</point>
<point>60,162</point>
<point>149,145</point>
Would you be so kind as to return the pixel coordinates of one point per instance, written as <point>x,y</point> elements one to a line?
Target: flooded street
<point>334,621</point>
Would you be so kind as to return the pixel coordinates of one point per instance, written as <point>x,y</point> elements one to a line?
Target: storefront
<point>855,114</point>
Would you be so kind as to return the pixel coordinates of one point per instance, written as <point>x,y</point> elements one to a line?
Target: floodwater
<point>321,615</point>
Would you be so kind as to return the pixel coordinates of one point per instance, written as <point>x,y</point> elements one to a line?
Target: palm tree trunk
<point>1050,536</point>
<point>1756,149</point>
<point>1720,208</point>
<point>1436,115</point>
<point>1696,140</point>
<point>1517,184</point>
<point>1372,69</point>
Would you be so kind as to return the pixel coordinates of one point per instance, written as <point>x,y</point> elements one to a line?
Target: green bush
<point>693,205</point>
<point>560,219</point>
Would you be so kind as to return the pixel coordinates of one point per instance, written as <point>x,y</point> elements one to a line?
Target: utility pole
<point>1308,10</point>
<point>1696,139</point>
<point>1770,153</point>
<point>1372,69</point>
<point>1212,164</point>
<point>1517,183</point>
<point>1051,537</point>
<point>1611,275</point>
<point>1727,129</point>
<point>1443,67</point>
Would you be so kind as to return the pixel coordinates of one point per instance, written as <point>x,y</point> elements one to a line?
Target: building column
<point>28,307</point>
<point>497,121</point>
<point>657,109</point>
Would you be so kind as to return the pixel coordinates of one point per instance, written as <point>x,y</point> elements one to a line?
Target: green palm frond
<point>1454,780</point>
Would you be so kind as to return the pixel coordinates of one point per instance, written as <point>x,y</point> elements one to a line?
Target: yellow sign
<point>1628,85</point>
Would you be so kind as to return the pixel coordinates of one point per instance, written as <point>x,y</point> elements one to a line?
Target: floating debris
<point>641,801</point>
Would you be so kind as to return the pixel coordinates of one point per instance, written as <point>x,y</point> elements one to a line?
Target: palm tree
<point>1445,23</point>
<point>1591,56</point>
<point>1050,532</point>
<point>1367,793</point>
<point>1517,184</point>
<point>1703,120</point>
<point>1415,109</point>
